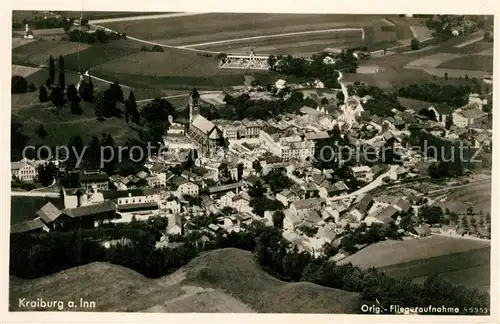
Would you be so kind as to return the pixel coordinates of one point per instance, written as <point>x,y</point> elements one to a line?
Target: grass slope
<point>470,62</point>
<point>226,280</point>
<point>237,273</point>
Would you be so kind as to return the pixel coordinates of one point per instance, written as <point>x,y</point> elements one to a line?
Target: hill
<point>225,280</point>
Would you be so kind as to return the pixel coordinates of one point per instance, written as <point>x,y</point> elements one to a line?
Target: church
<point>206,134</point>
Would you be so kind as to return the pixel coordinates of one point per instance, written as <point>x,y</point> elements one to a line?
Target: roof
<point>48,213</point>
<point>381,167</point>
<point>443,109</point>
<point>292,217</point>
<point>242,195</point>
<point>104,207</point>
<point>49,31</point>
<point>231,186</point>
<point>113,194</point>
<point>327,232</point>
<point>93,177</point>
<point>385,215</point>
<point>363,168</point>
<point>145,205</point>
<point>316,135</point>
<point>20,164</point>
<point>403,204</point>
<point>472,113</point>
<point>364,203</point>
<point>306,203</point>
<point>176,221</point>
<point>340,185</point>
<point>27,226</point>
<point>203,124</point>
<point>313,217</point>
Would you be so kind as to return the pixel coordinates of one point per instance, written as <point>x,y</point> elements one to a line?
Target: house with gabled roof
<point>34,226</point>
<point>49,215</point>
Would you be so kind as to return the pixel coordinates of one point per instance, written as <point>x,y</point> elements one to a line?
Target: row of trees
<point>242,106</point>
<point>38,256</point>
<point>98,36</point>
<point>451,95</point>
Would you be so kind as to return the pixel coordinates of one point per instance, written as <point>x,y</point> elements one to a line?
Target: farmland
<point>470,268</point>
<point>388,253</point>
<point>478,196</point>
<point>471,62</point>
<point>222,26</point>
<point>38,52</point>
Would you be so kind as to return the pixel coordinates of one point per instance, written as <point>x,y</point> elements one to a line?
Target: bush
<point>18,84</point>
<point>415,44</point>
<point>156,48</point>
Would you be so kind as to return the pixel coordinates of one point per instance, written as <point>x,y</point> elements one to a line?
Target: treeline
<point>37,256</point>
<point>98,36</point>
<point>44,23</point>
<point>242,106</point>
<point>456,96</point>
<point>154,48</point>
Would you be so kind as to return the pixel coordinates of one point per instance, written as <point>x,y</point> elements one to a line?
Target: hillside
<point>225,280</point>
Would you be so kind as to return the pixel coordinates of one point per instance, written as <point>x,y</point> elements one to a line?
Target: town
<point>333,167</point>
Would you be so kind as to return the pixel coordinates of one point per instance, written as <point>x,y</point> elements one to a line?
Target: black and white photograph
<point>231,162</point>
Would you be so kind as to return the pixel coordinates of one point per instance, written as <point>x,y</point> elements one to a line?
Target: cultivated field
<point>477,196</point>
<point>470,62</point>
<point>23,71</point>
<point>38,52</point>
<point>471,268</point>
<point>390,252</point>
<point>221,26</point>
<point>217,281</point>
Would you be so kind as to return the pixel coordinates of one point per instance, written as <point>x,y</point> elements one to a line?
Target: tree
<point>467,77</point>
<point>278,218</point>
<point>72,93</point>
<point>46,174</point>
<point>131,108</point>
<point>470,210</point>
<point>93,153</point>
<point>62,76</point>
<point>57,97</point>
<point>116,92</point>
<point>18,84</point>
<point>431,214</point>
<point>446,75</point>
<point>18,141</point>
<point>449,121</point>
<point>257,166</point>
<point>41,132</point>
<point>415,44</point>
<point>109,153</point>
<point>271,62</point>
<point>75,108</point>
<point>43,95</point>
<point>86,90</point>
<point>75,147</point>
<point>52,71</point>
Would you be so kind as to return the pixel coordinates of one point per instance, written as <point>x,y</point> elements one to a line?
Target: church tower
<point>194,105</point>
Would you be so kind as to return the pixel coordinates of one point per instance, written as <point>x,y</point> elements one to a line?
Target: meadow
<point>390,252</point>
<point>220,26</point>
<point>470,268</point>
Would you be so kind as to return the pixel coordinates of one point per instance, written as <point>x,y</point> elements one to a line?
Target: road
<point>369,187</point>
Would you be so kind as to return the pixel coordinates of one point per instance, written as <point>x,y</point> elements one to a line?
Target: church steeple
<point>194,105</point>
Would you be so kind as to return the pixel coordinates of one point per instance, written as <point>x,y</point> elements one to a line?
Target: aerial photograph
<point>189,162</point>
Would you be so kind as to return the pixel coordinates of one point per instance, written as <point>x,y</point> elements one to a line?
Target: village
<point>234,173</point>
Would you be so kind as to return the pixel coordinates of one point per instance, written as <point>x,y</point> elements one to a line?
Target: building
<point>252,128</point>
<point>175,225</point>
<point>302,207</point>
<point>93,181</point>
<point>55,34</point>
<point>49,214</point>
<point>88,216</point>
<point>205,133</point>
<point>466,117</point>
<point>24,170</point>
<point>186,187</point>
<point>362,173</point>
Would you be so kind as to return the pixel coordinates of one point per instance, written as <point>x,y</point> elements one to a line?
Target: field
<point>38,52</point>
<point>478,196</point>
<point>222,26</point>
<point>470,62</point>
<point>61,126</point>
<point>388,253</point>
<point>217,281</point>
<point>471,268</point>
